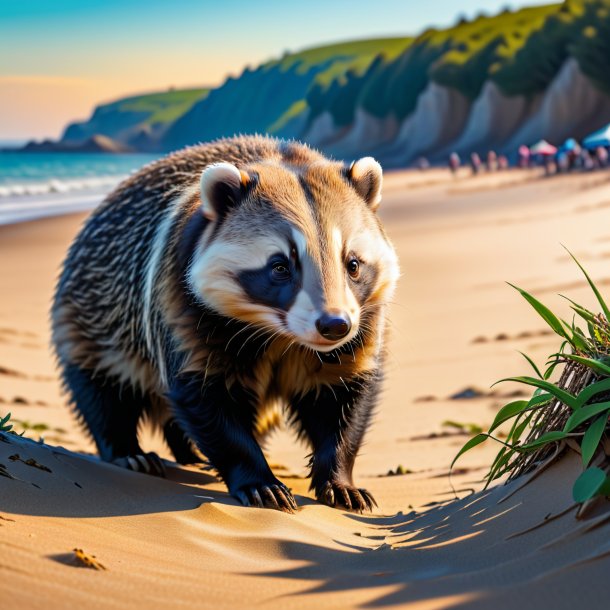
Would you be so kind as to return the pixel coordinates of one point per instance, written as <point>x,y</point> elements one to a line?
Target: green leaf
<point>578,339</point>
<point>599,367</point>
<point>585,413</point>
<point>551,367</point>
<point>591,390</point>
<point>539,398</point>
<point>562,395</point>
<point>507,412</point>
<point>498,467</point>
<point>588,484</point>
<point>548,437</point>
<point>533,365</point>
<point>591,439</point>
<point>518,429</point>
<point>585,314</point>
<point>545,313</point>
<point>600,299</point>
<point>473,442</point>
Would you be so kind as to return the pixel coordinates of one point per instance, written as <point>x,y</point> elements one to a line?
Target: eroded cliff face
<point>366,134</point>
<point>364,137</point>
<point>494,118</point>
<point>444,120</point>
<point>321,132</point>
<point>571,107</point>
<point>439,117</point>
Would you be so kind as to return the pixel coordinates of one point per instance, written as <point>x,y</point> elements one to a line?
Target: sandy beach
<point>434,542</point>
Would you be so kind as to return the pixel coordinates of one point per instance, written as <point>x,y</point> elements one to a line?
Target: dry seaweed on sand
<point>569,414</point>
<point>85,560</point>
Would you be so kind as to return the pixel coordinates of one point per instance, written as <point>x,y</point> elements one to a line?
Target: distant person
<point>574,156</point>
<point>563,162</point>
<point>454,162</point>
<point>587,162</point>
<point>492,161</point>
<point>524,157</point>
<point>602,156</point>
<point>422,164</point>
<point>475,163</point>
<point>503,162</point>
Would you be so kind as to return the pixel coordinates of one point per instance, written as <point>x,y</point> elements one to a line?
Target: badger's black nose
<point>333,325</point>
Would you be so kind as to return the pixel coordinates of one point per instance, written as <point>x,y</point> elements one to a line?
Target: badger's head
<point>297,251</point>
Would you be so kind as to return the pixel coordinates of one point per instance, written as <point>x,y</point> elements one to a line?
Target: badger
<point>217,287</point>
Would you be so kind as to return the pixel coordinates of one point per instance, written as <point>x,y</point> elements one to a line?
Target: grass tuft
<point>570,413</point>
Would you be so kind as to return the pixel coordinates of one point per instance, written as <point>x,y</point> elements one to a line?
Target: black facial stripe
<point>191,234</point>
<point>260,286</point>
<point>307,192</point>
<point>366,282</point>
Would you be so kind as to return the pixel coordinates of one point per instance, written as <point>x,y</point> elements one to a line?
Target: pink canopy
<point>543,148</point>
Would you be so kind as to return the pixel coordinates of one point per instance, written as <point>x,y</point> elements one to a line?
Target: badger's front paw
<point>147,463</point>
<point>271,495</point>
<point>342,495</point>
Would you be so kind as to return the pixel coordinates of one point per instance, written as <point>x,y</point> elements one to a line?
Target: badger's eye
<point>353,268</point>
<point>280,271</point>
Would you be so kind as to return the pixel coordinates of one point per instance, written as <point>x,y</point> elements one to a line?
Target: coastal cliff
<point>491,82</point>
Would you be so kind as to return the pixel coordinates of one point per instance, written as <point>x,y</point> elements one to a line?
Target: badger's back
<point>104,307</point>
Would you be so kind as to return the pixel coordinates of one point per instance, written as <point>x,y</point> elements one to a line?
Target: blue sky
<point>74,53</point>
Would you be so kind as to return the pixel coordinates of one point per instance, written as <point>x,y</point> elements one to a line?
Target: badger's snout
<point>334,325</point>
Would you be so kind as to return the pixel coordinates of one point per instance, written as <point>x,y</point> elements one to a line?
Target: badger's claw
<point>147,463</point>
<point>340,495</point>
<point>273,495</point>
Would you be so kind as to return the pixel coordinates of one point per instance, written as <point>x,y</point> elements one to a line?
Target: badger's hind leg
<point>179,444</point>
<point>111,412</point>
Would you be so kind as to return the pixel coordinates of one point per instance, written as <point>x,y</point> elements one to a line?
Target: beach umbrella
<point>543,148</point>
<point>598,138</point>
<point>569,145</point>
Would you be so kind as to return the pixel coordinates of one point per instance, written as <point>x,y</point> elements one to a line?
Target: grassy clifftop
<point>520,52</point>
<point>161,108</point>
<point>130,118</point>
<point>272,97</point>
<point>462,57</point>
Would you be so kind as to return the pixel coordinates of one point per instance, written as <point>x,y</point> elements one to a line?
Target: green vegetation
<point>292,113</point>
<point>464,427</point>
<point>571,412</point>
<point>4,423</point>
<point>161,108</point>
<point>125,119</point>
<point>591,43</point>
<point>462,57</point>
<point>272,97</point>
<point>340,57</point>
<point>521,52</point>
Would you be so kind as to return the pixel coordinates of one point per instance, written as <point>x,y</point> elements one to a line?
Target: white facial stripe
<point>302,316</point>
<point>236,256</point>
<point>377,250</point>
<point>301,243</point>
<point>337,244</point>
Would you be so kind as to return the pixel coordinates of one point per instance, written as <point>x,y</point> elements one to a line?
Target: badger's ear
<point>366,177</point>
<point>222,185</point>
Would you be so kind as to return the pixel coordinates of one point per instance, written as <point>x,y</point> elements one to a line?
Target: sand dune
<point>433,543</point>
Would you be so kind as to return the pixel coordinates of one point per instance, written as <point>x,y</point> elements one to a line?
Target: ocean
<point>45,184</point>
